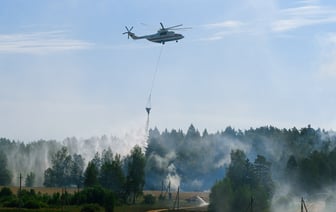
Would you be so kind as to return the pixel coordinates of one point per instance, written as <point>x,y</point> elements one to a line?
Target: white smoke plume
<point>119,145</point>
<point>36,157</point>
<point>173,179</point>
<point>286,198</point>
<point>194,163</point>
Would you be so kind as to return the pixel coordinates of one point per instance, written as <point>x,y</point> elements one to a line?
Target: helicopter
<point>163,35</point>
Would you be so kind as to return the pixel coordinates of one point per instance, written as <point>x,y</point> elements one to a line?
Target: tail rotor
<point>128,31</point>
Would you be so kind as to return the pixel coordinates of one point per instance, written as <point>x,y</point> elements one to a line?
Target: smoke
<point>287,195</point>
<point>36,156</point>
<point>22,159</point>
<point>119,145</point>
<point>325,203</point>
<point>190,161</point>
<point>174,180</point>
<point>288,198</point>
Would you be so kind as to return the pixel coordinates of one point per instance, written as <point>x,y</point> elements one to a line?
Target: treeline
<point>90,199</point>
<point>124,177</point>
<point>313,173</point>
<point>192,160</point>
<point>199,159</point>
<point>121,180</point>
<point>302,160</point>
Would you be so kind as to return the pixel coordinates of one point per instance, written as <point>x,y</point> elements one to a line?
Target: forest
<point>265,168</point>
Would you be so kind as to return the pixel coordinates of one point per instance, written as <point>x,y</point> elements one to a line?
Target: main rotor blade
<point>162,25</point>
<point>174,26</point>
<point>128,30</point>
<point>183,28</point>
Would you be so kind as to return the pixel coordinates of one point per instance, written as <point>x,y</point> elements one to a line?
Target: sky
<point>67,70</point>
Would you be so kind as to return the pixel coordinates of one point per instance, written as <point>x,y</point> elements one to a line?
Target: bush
<point>6,195</point>
<point>95,195</point>
<point>11,202</point>
<point>32,204</point>
<point>149,199</point>
<point>5,192</point>
<point>90,208</point>
<point>162,197</point>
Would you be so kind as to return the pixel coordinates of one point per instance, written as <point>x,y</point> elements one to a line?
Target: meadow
<point>187,201</point>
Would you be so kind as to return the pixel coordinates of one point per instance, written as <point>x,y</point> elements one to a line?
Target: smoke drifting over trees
<point>300,159</point>
<point>243,183</point>
<point>5,176</point>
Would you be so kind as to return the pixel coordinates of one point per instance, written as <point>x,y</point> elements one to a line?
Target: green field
<point>186,202</point>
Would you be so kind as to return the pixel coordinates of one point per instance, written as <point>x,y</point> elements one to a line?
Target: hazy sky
<point>67,70</point>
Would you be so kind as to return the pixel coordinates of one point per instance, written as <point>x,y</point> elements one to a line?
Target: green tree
<point>65,170</point>
<point>61,163</point>
<point>30,179</point>
<point>221,196</point>
<point>135,179</point>
<point>77,169</point>
<point>244,183</point>
<point>5,175</point>
<point>262,169</point>
<point>106,168</point>
<point>118,175</point>
<point>192,133</point>
<point>49,178</point>
<point>111,174</point>
<point>91,175</point>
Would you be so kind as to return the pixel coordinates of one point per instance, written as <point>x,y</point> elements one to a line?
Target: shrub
<point>149,199</point>
<point>6,195</point>
<point>5,192</point>
<point>90,208</point>
<point>95,195</point>
<point>32,204</point>
<point>162,197</point>
<point>11,202</point>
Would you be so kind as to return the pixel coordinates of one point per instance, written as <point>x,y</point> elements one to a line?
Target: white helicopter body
<point>163,35</point>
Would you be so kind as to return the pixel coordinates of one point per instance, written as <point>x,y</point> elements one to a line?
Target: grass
<point>65,209</point>
<point>139,207</point>
<point>42,190</point>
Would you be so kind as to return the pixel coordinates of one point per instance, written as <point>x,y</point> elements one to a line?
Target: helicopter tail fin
<point>133,36</point>
<point>130,34</point>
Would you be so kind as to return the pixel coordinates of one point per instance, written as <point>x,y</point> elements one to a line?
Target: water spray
<point>149,104</point>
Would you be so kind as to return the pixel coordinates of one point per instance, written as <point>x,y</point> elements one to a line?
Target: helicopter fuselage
<point>164,36</point>
<point>161,36</point>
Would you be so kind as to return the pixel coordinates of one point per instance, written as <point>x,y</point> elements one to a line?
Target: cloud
<point>40,42</point>
<point>224,24</point>
<point>223,29</point>
<point>306,15</point>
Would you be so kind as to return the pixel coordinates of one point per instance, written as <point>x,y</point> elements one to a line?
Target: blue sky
<point>67,70</point>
